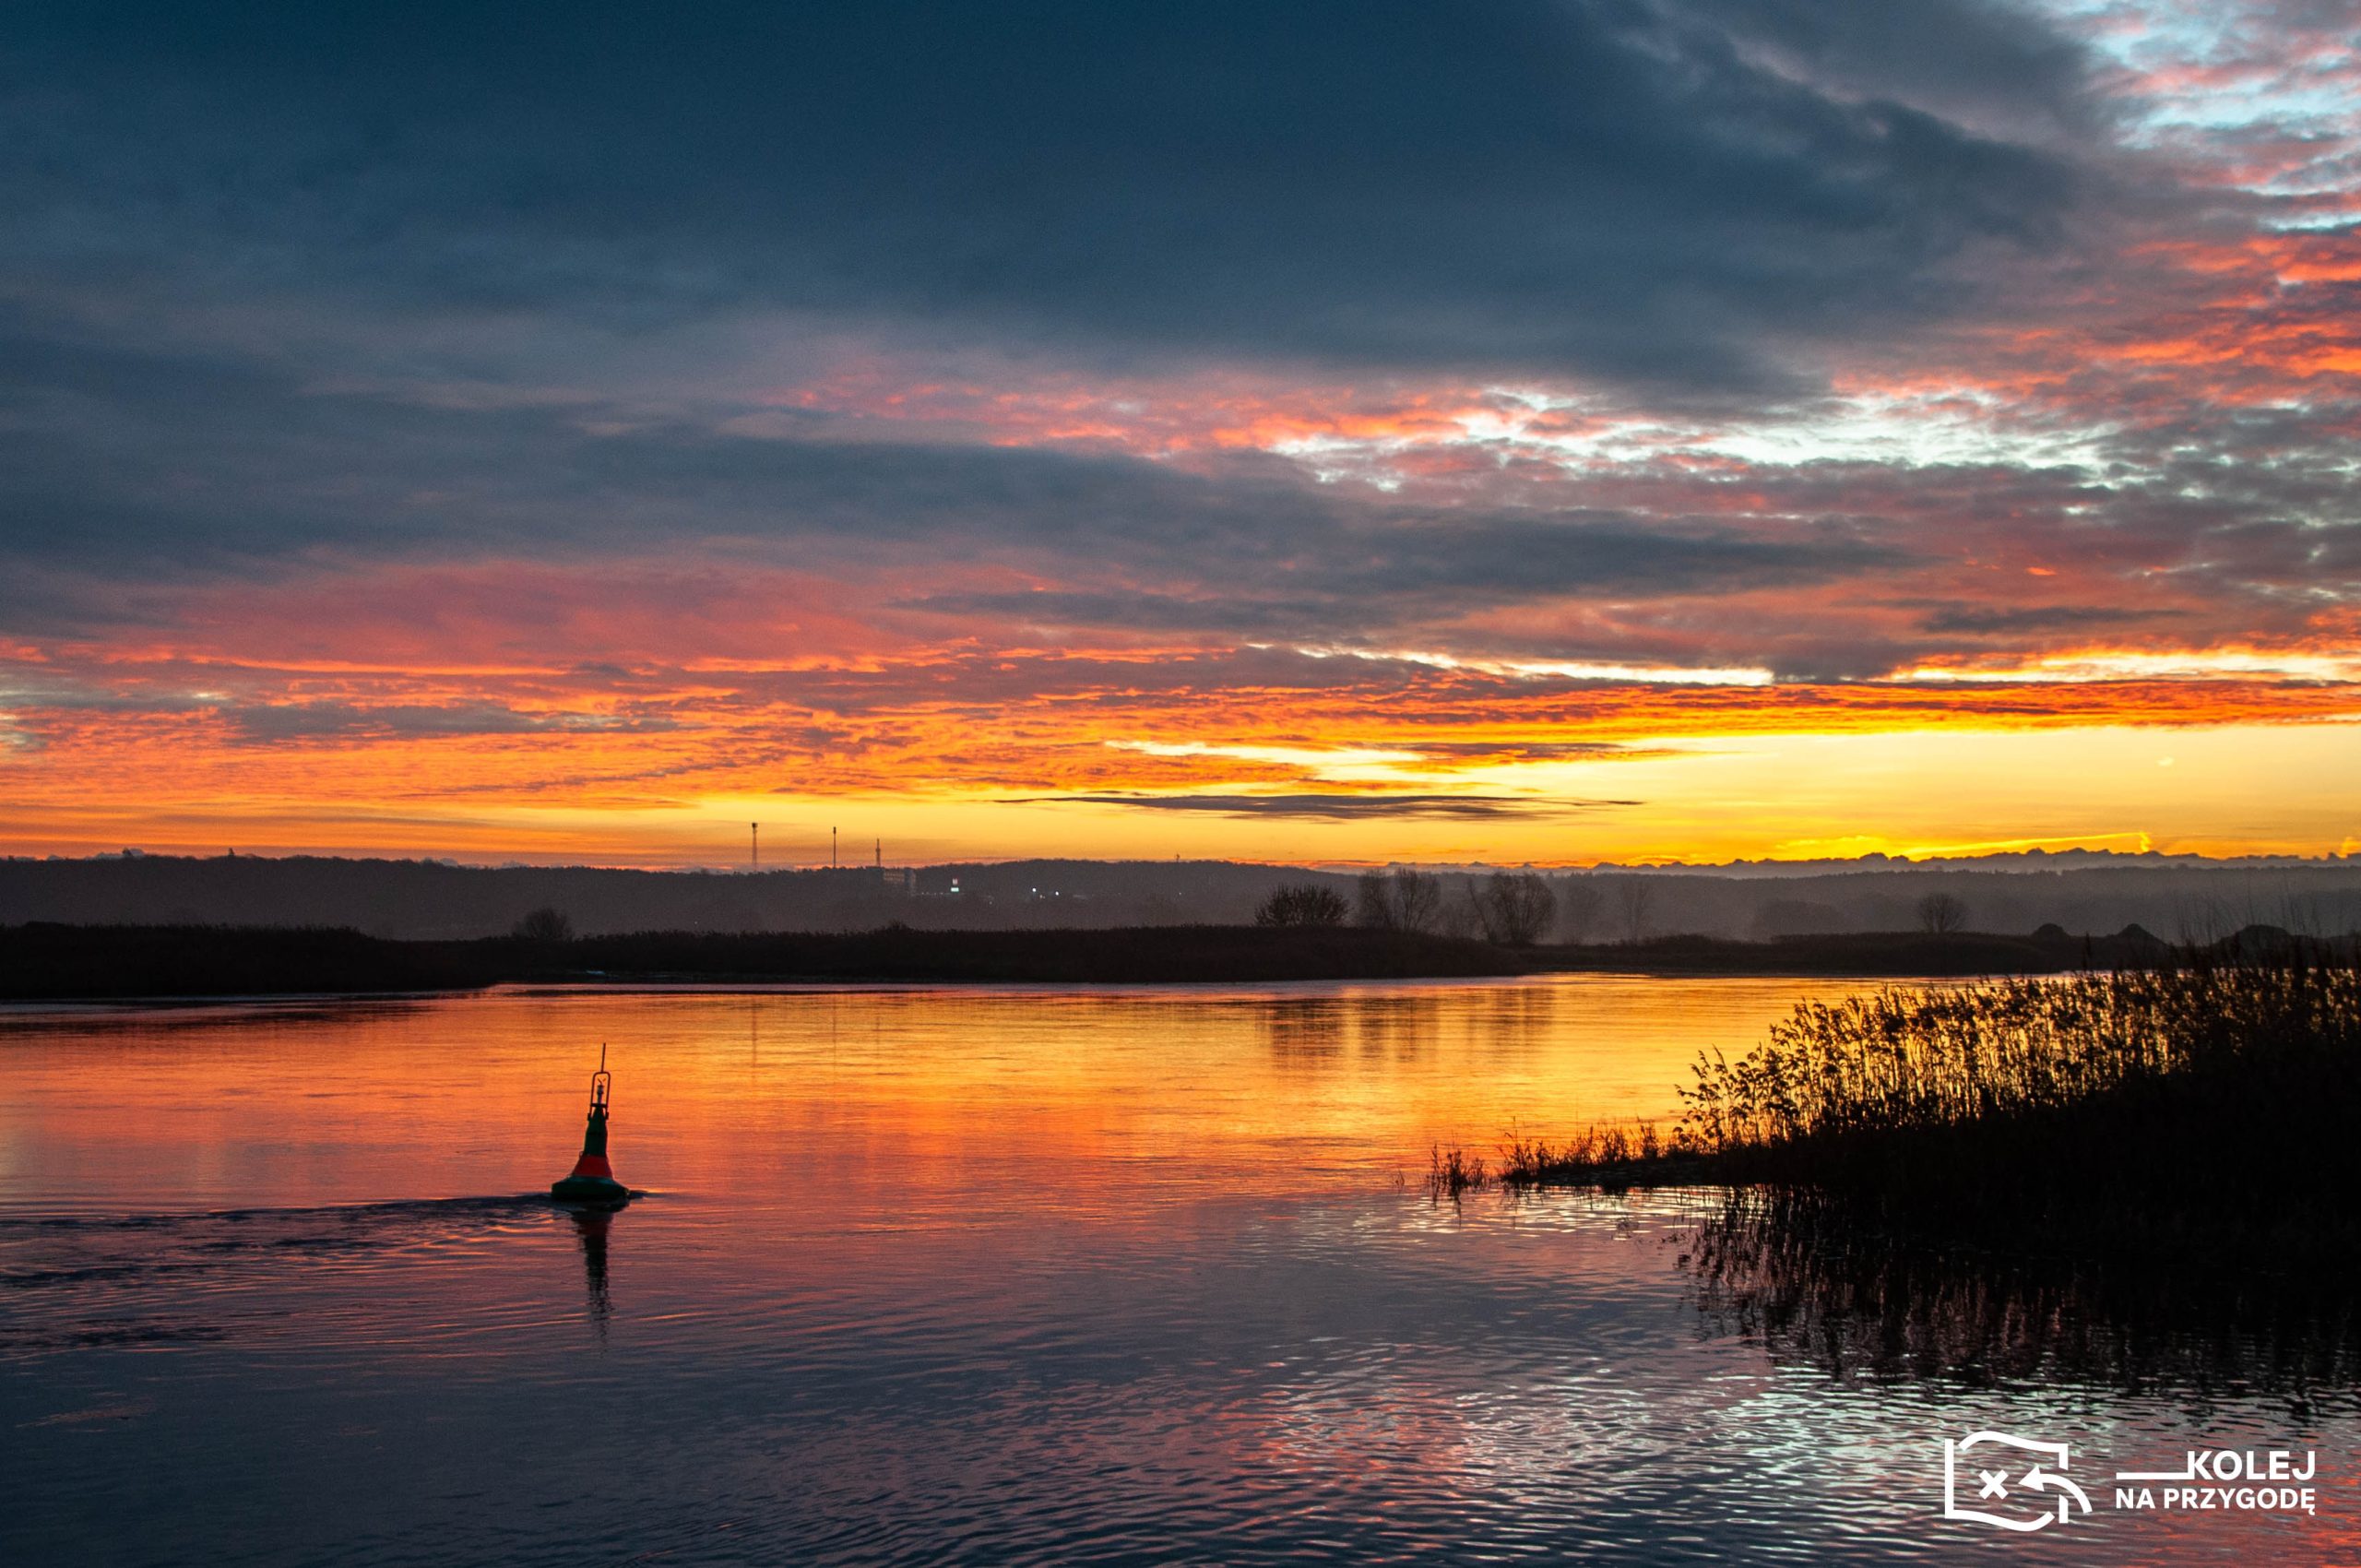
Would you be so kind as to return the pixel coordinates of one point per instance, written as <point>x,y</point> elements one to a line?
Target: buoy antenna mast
<point>592,1179</point>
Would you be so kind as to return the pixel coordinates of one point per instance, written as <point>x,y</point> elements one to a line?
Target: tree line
<point>1508,908</point>
<point>1511,909</point>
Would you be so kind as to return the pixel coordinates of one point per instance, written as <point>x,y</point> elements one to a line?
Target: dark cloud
<point>122,467</point>
<point>1334,808</point>
<point>1358,567</point>
<point>1659,191</point>
<point>271,723</point>
<point>128,475</point>
<point>287,288</point>
<point>2043,618</point>
<point>1985,66</point>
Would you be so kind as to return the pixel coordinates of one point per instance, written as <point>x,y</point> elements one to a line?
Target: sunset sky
<point>1658,429</point>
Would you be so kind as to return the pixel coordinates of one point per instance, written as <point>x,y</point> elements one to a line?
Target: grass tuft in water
<point>1452,1171</point>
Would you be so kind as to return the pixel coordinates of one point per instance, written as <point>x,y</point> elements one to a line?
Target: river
<point>1038,1275</point>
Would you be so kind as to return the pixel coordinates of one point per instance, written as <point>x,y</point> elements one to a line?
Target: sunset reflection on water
<point>924,1276</point>
<point>1267,1088</point>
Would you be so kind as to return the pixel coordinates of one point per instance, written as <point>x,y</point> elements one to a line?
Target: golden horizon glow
<point>1751,785</point>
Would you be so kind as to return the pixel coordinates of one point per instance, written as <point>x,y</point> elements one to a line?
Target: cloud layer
<point>587,407</point>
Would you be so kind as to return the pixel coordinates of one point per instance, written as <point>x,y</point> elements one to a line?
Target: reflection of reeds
<point>1794,1272</point>
<point>2208,1107</point>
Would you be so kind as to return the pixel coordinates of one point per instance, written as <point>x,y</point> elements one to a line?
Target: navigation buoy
<point>592,1180</point>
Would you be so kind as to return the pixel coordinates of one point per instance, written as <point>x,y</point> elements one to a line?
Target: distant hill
<point>2175,898</point>
<point>432,899</point>
<point>94,962</point>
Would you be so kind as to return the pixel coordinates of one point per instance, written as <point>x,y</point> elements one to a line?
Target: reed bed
<point>2209,1107</point>
<point>1898,1062</point>
<point>1613,1156</point>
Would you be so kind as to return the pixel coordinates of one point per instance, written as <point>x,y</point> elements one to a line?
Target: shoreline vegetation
<point>2199,1110</point>
<point>43,961</point>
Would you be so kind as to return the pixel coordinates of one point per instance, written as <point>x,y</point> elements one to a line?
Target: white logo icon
<point>1981,1466</point>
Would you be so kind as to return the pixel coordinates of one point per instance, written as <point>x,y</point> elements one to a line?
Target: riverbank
<point>115,963</point>
<point>54,962</point>
<point>1868,954</point>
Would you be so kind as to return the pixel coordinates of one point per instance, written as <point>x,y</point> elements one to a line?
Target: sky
<point>1674,430</point>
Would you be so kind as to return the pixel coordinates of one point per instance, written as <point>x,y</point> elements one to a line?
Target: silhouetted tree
<point>1939,914</point>
<point>545,924</point>
<point>1635,900</point>
<point>1417,900</point>
<point>1303,903</point>
<point>1518,907</point>
<point>1463,916</point>
<point>1579,904</point>
<point>1405,898</point>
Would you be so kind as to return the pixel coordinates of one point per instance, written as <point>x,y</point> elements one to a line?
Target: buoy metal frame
<point>592,1180</point>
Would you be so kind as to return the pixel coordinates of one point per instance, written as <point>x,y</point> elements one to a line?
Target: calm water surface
<point>948,1275</point>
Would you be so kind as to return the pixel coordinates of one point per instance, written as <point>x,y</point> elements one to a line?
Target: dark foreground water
<point>1043,1277</point>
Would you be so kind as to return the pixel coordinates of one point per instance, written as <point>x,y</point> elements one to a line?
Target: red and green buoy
<point>592,1180</point>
